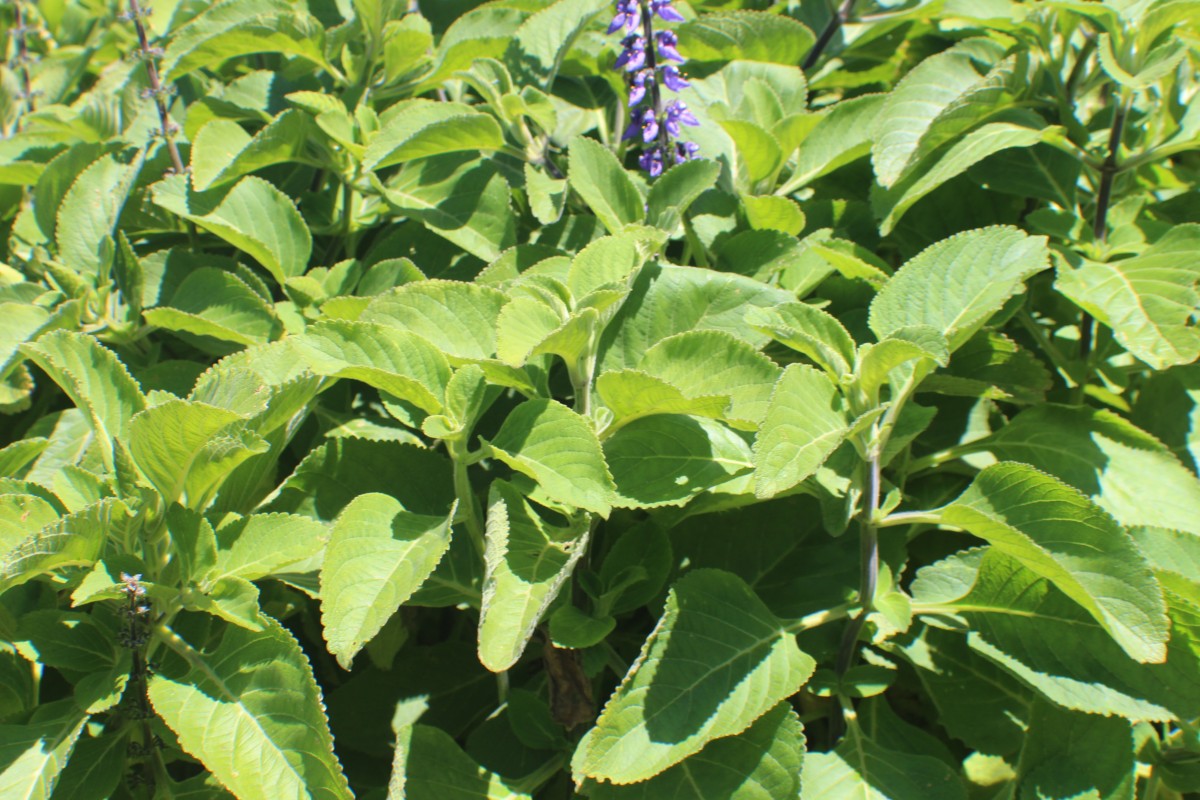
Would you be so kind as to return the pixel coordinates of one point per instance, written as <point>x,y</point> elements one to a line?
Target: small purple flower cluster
<point>649,68</point>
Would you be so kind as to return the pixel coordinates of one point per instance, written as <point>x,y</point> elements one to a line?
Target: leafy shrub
<point>381,421</point>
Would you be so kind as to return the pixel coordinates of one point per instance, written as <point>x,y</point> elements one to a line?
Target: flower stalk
<point>22,59</point>
<point>156,91</point>
<point>650,60</point>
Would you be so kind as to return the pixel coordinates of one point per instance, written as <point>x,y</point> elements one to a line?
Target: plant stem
<point>652,65</point>
<point>1108,173</point>
<point>869,568</point>
<point>149,56</point>
<point>831,28</point>
<point>467,501</point>
<point>22,59</point>
<point>819,618</point>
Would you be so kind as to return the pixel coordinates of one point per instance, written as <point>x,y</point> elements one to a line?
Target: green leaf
<point>379,554</point>
<point>250,711</point>
<point>88,215</point>
<point>1124,470</point>
<point>253,216</point>
<point>773,214</point>
<point>1072,755</point>
<point>547,196</point>
<point>759,152</point>
<point>95,380</point>
<point>843,135</point>
<point>763,761</point>
<point>666,300</point>
<point>993,366</point>
<point>21,513</point>
<point>223,152</point>
<point>543,40</point>
<point>1056,532</point>
<point>186,449</point>
<point>211,302</point>
<point>717,661</point>
<point>1148,300</point>
<point>260,545</point>
<point>66,640</point>
<point>704,363</point>
<point>527,563</point>
<point>958,283</point>
<point>805,423</point>
<point>464,200</point>
<point>96,767</point>
<point>986,140</point>
<point>808,330</point>
<point>74,540</point>
<point>597,177</point>
<point>236,28</point>
<point>745,35</point>
<point>402,364</point>
<point>890,359</point>
<point>667,459</point>
<point>630,394</point>
<point>33,756</point>
<point>458,318</point>
<point>557,448</point>
<point>862,768</point>
<point>927,91</point>
<point>1038,171</point>
<point>429,765</point>
<point>419,128</point>
<point>676,189</point>
<point>1020,621</point>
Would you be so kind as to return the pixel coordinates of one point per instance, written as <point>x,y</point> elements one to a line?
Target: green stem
<point>1150,791</point>
<point>468,504</point>
<point>934,460</point>
<point>1065,367</point>
<point>819,618</point>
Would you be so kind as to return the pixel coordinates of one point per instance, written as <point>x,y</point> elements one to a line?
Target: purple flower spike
<point>629,16</point>
<point>686,151</point>
<point>649,125</point>
<point>665,10</point>
<point>677,112</point>
<point>673,80</point>
<point>637,88</point>
<point>652,161</point>
<point>666,41</point>
<point>633,57</point>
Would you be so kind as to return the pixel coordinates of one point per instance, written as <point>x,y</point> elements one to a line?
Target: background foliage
<point>375,427</point>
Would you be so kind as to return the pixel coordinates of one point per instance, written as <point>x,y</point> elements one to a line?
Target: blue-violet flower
<point>629,16</point>
<point>664,10</point>
<point>633,57</point>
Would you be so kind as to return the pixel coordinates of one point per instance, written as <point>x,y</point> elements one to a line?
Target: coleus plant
<point>398,405</point>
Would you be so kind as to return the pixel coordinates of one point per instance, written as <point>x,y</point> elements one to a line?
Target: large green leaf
<point>429,765</point>
<point>400,363</point>
<point>21,513</point>
<point>542,41</point>
<point>88,215</point>
<point>596,176</point>
<point>186,448</point>
<point>95,380</point>
<point>1149,300</point>
<point>32,756</point>
<point>1020,621</point>
<point>710,362</point>
<point>667,459</point>
<point>1072,755</point>
<point>745,35</point>
<point>419,128</point>
<point>527,562</point>
<point>252,215</point>
<point>666,300</point>
<point>942,165</point>
<point>805,423</point>
<point>236,28</point>
<point>74,540</point>
<point>379,554</point>
<point>717,661</point>
<point>463,199</point>
<point>251,712</point>
<point>1125,471</point>
<point>761,763</point>
<point>811,331</point>
<point>958,283</point>
<point>459,318</point>
<point>866,770</point>
<point>557,448</point>
<point>224,152</point>
<point>260,545</point>
<point>842,135</point>
<point>630,394</point>
<point>1056,532</point>
<point>676,190</point>
<point>211,302</point>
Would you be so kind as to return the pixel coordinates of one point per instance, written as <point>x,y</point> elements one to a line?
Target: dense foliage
<point>636,400</point>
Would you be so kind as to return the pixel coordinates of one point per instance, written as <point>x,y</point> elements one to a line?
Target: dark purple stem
<point>652,74</point>
<point>1108,174</point>
<point>834,24</point>
<point>156,88</point>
